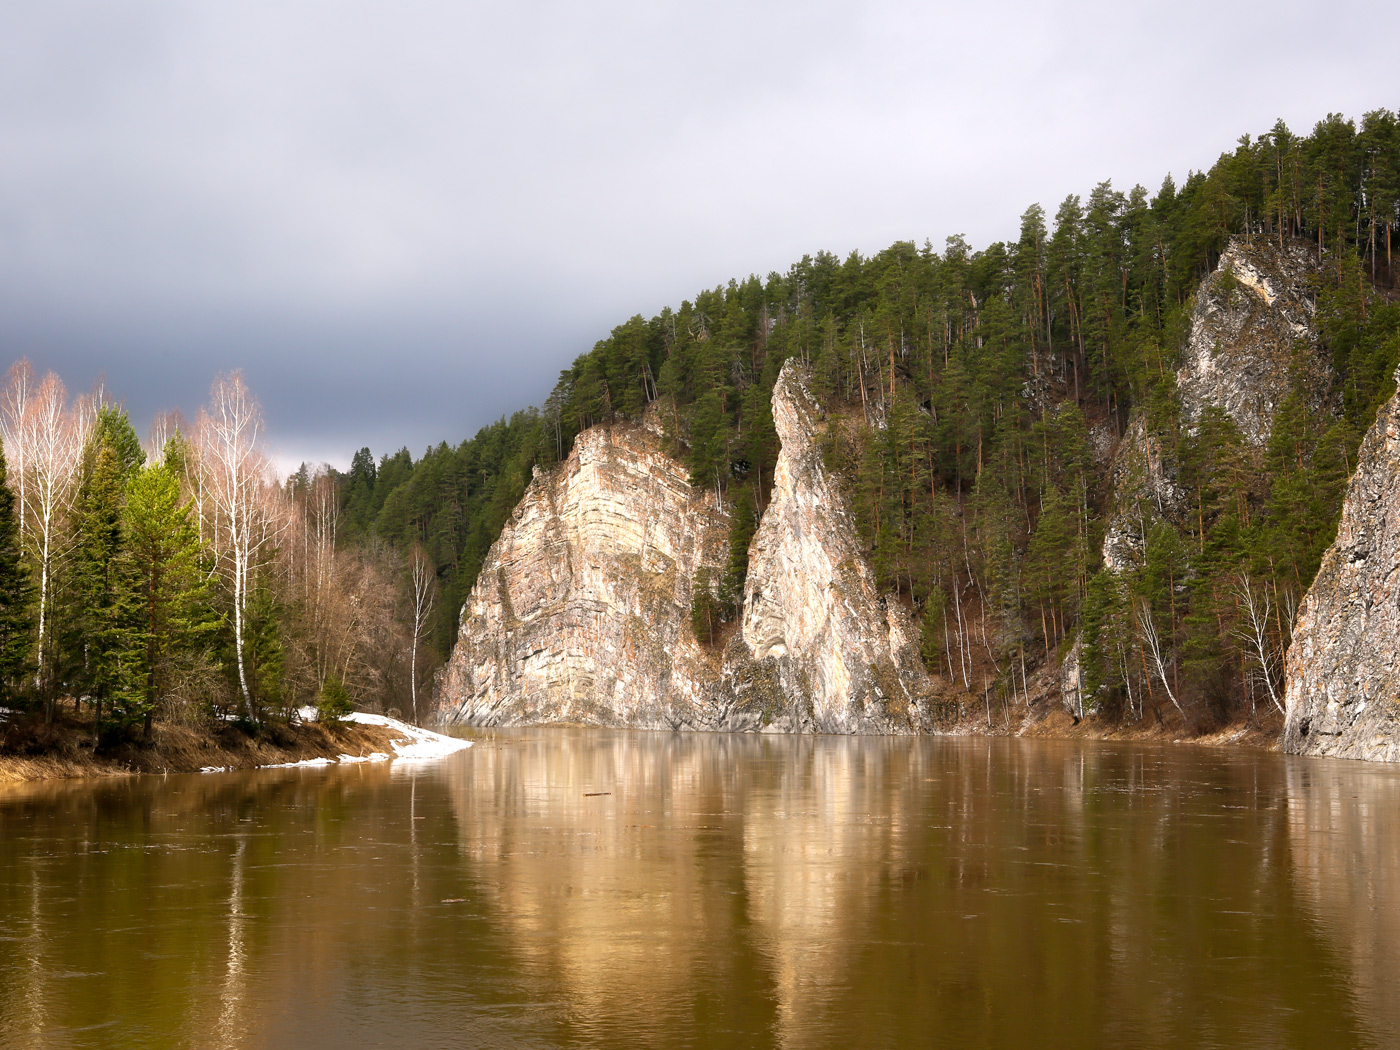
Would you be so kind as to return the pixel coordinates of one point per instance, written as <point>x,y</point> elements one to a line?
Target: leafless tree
<point>165,426</point>
<point>14,410</point>
<point>45,435</point>
<point>1152,646</point>
<point>1254,632</point>
<point>422,583</point>
<point>246,515</point>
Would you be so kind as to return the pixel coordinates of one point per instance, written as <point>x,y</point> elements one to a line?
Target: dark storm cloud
<point>401,220</point>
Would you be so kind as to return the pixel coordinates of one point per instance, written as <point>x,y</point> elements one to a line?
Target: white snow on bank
<point>420,743</point>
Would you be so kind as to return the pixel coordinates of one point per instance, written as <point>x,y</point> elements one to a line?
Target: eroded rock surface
<point>1252,336</point>
<point>581,612</point>
<point>582,609</point>
<point>820,647</point>
<point>1251,332</point>
<point>1343,694</point>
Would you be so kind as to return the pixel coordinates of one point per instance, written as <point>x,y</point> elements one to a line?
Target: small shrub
<point>334,702</point>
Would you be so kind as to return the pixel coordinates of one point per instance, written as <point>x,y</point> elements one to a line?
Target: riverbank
<point>31,749</point>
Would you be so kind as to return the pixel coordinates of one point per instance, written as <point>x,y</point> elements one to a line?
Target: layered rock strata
<point>581,612</point>
<point>820,647</point>
<point>1343,692</point>
<point>1252,338</point>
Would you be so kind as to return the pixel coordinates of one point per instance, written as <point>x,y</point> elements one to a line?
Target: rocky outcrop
<point>1252,336</point>
<point>1252,339</point>
<point>820,647</point>
<point>1343,692</point>
<point>581,612</point>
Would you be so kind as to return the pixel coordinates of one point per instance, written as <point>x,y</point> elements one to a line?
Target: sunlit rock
<point>820,646</point>
<point>581,612</point>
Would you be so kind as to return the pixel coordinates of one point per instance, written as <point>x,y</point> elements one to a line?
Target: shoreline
<point>361,737</point>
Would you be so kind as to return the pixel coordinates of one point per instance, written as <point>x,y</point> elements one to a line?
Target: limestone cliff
<point>1343,693</point>
<point>581,612</point>
<point>820,648</point>
<point>1251,337</point>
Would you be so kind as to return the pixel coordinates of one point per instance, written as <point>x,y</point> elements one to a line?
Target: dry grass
<point>33,750</point>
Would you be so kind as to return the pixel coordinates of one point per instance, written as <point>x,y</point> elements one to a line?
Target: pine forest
<point>975,399</point>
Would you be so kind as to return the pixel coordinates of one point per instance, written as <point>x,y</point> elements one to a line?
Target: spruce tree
<point>163,556</point>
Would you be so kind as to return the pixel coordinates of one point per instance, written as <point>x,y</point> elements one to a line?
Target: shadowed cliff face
<point>1343,694</point>
<point>1252,333</point>
<point>1252,336</point>
<point>582,609</point>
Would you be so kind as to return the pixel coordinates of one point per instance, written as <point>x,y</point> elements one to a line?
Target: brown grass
<point>33,750</point>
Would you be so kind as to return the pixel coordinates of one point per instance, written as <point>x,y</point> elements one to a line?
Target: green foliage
<point>706,610</point>
<point>743,524</point>
<point>166,559</point>
<point>333,703</point>
<point>983,380</point>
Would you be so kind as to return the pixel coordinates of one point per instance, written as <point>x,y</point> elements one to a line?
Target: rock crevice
<point>581,612</point>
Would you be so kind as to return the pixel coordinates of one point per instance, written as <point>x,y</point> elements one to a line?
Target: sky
<point>402,219</point>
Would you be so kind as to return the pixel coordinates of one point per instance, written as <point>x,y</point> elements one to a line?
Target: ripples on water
<point>611,889</point>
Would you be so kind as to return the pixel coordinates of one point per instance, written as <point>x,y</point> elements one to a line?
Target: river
<point>579,888</point>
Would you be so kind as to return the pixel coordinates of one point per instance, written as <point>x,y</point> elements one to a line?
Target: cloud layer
<point>401,220</point>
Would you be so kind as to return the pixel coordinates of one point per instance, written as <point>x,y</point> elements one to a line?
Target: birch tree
<point>45,435</point>
<point>1256,633</point>
<point>245,518</point>
<point>422,582</point>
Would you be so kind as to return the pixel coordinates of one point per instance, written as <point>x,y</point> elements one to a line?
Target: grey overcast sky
<point>402,219</point>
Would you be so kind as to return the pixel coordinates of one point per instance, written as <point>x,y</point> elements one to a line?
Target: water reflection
<point>593,888</point>
<point>1345,842</point>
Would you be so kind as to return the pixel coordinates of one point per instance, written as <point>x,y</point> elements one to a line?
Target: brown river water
<point>576,888</point>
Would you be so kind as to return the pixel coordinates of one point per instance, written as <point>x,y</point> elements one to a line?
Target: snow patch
<point>420,744</point>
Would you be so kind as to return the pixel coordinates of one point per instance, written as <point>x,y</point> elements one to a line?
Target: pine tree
<point>165,560</point>
<point>103,638</point>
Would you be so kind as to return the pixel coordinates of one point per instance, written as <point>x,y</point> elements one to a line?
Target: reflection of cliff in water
<point>847,891</point>
<point>1344,834</point>
<point>264,908</point>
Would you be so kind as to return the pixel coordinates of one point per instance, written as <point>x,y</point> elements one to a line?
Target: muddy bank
<point>33,750</point>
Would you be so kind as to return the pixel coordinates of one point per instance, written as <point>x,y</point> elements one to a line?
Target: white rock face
<point>1343,692</point>
<point>1253,324</point>
<point>820,647</point>
<point>582,609</point>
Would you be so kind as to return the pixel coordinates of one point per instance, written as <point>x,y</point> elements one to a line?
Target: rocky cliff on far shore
<point>1343,693</point>
<point>581,612</point>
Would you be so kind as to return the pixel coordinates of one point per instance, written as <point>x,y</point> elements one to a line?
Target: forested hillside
<point>983,393</point>
<point>977,400</point>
